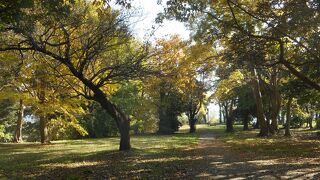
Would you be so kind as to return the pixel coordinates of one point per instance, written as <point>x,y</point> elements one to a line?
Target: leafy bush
<point>213,121</point>
<point>4,136</point>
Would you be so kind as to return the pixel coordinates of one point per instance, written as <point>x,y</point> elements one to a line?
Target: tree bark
<point>44,130</point>
<point>122,121</point>
<point>282,115</point>
<point>275,102</point>
<point>220,114</point>
<point>318,124</point>
<point>264,130</point>
<point>192,124</point>
<point>230,117</point>
<point>311,115</point>
<point>288,117</point>
<point>246,122</point>
<point>125,135</point>
<point>18,132</point>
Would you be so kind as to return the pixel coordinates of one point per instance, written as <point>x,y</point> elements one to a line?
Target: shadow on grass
<point>155,157</point>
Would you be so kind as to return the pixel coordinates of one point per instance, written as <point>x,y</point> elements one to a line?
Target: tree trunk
<point>122,121</point>
<point>44,137</point>
<point>192,124</point>
<point>18,133</point>
<point>230,118</point>
<point>288,117</point>
<point>282,115</point>
<point>220,114</point>
<point>317,117</point>
<point>310,119</point>
<point>164,120</point>
<point>125,135</point>
<point>310,123</point>
<point>246,122</point>
<point>229,124</point>
<point>275,102</point>
<point>44,130</point>
<point>264,130</point>
<point>223,114</point>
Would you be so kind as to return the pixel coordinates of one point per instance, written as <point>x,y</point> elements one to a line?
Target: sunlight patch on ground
<point>72,164</point>
<point>171,159</point>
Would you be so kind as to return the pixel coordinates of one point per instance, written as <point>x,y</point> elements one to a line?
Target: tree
<point>91,43</point>
<point>226,94</point>
<point>246,105</point>
<point>11,90</point>
<point>288,117</point>
<point>289,25</point>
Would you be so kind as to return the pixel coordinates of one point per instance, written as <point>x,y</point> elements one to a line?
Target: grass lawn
<point>303,142</point>
<point>152,156</point>
<point>79,158</point>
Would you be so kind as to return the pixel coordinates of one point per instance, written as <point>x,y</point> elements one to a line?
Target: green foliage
<point>133,100</point>
<point>98,123</point>
<point>4,135</point>
<point>183,118</point>
<point>171,106</point>
<point>30,131</point>
<point>61,128</point>
<point>213,121</point>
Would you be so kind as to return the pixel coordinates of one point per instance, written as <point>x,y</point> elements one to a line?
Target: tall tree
<point>91,43</point>
<point>289,24</point>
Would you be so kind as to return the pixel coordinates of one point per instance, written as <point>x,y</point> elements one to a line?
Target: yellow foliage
<point>226,86</point>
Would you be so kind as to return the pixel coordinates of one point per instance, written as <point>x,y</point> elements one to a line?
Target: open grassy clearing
<point>93,157</point>
<point>159,156</point>
<point>303,143</point>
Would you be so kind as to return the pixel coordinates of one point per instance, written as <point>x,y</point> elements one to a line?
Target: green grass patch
<point>32,160</point>
<point>300,145</point>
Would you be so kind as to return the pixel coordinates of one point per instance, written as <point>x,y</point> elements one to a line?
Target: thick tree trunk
<point>318,124</point>
<point>44,136</point>
<point>275,104</point>
<point>122,121</point>
<point>264,130</point>
<point>124,135</point>
<point>273,93</point>
<point>317,117</point>
<point>44,130</point>
<point>230,118</point>
<point>18,133</point>
<point>310,123</point>
<point>246,122</point>
<point>310,119</point>
<point>164,120</point>
<point>229,124</point>
<point>192,124</point>
<point>288,117</point>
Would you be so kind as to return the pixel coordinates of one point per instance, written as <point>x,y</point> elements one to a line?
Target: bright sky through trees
<point>149,10</point>
<point>142,27</point>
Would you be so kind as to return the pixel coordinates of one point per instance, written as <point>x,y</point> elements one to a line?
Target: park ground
<point>208,154</point>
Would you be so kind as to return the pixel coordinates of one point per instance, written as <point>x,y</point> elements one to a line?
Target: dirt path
<point>220,161</point>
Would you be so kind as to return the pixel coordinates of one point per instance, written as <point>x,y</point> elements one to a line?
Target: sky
<point>149,10</point>
<point>145,20</point>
